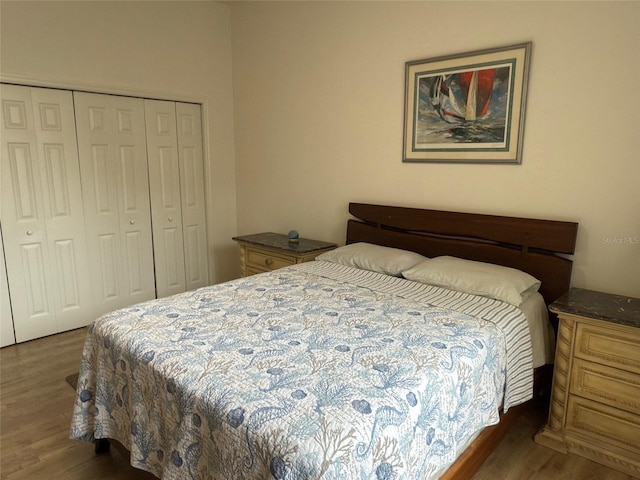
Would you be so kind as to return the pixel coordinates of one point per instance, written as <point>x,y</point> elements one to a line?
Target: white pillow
<point>494,281</point>
<point>392,261</point>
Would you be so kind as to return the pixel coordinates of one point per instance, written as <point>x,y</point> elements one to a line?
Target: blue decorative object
<point>293,236</point>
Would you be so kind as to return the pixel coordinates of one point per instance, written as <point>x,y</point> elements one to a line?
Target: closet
<point>102,204</point>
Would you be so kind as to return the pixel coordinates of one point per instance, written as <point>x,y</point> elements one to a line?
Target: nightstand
<point>595,399</point>
<point>263,252</point>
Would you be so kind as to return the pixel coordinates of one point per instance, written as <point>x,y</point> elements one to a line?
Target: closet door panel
<point>44,232</point>
<point>135,220</point>
<point>7,335</point>
<point>166,208</point>
<point>27,255</point>
<point>98,180</point>
<point>189,125</point>
<point>107,248</point>
<point>29,267</point>
<point>103,223</point>
<point>68,279</point>
<point>21,174</point>
<point>113,156</point>
<point>131,166</point>
<point>133,197</point>
<point>172,264</point>
<point>34,259</point>
<point>58,159</point>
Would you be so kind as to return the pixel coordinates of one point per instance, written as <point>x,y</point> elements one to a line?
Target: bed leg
<point>102,445</point>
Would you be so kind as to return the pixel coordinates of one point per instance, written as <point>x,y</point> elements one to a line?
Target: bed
<point>328,369</point>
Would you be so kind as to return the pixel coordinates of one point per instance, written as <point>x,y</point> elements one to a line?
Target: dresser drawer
<point>265,261</point>
<point>611,386</point>
<point>619,347</point>
<point>608,425</point>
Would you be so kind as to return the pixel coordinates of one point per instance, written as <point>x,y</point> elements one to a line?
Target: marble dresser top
<point>600,306</point>
<point>281,242</point>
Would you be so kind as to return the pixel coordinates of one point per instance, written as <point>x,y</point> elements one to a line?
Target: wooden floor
<point>35,413</point>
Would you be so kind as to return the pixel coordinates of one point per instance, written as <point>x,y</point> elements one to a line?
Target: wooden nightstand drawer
<point>616,347</point>
<point>609,425</point>
<point>265,261</point>
<point>254,271</point>
<point>611,386</point>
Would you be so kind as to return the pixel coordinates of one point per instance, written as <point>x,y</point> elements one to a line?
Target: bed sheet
<point>543,341</point>
<point>311,371</point>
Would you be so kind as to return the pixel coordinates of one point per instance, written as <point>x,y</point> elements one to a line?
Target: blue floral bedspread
<point>315,371</point>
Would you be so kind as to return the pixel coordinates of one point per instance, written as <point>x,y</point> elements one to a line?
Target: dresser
<point>595,399</point>
<point>263,252</point>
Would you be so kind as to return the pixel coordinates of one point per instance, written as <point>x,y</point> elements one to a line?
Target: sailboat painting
<point>467,108</point>
<point>463,107</point>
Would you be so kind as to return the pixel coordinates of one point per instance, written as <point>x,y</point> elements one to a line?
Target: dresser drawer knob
<point>268,261</point>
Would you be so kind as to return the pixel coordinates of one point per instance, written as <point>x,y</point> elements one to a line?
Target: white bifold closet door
<point>42,213</point>
<point>102,206</point>
<point>176,173</point>
<point>7,335</point>
<point>189,121</point>
<point>115,183</point>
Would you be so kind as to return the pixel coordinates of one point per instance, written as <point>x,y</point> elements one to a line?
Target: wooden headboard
<point>530,245</point>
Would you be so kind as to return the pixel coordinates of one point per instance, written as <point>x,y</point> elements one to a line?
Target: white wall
<point>318,92</point>
<point>319,98</point>
<point>172,50</point>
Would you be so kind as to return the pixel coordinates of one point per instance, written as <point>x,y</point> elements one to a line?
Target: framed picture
<point>467,108</point>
